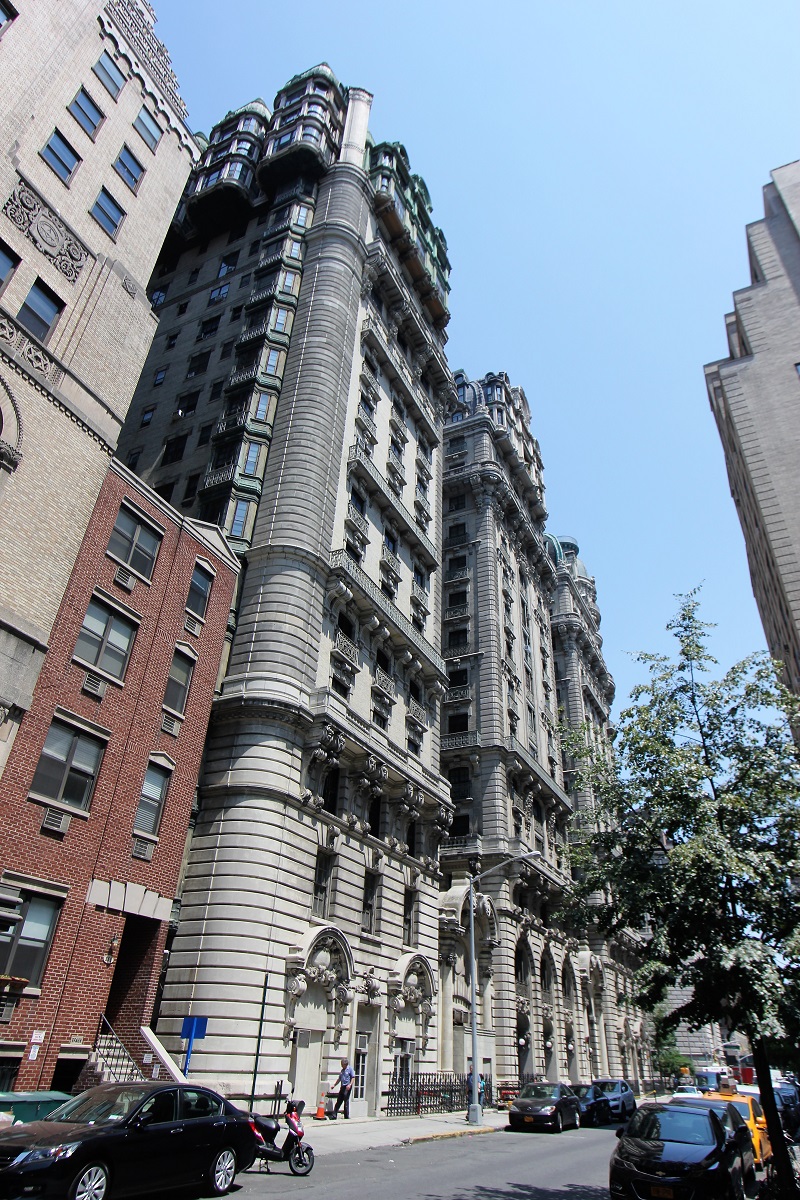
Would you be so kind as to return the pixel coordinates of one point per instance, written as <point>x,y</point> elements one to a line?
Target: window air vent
<point>55,821</point>
<point>94,685</point>
<point>125,578</point>
<point>192,625</point>
<point>143,849</point>
<point>7,1011</point>
<point>170,724</point>
<point>362,1042</point>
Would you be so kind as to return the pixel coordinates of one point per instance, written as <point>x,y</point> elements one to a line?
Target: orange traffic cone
<point>320,1113</point>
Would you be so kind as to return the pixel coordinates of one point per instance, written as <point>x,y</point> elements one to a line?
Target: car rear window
<point>539,1091</point>
<point>671,1125</point>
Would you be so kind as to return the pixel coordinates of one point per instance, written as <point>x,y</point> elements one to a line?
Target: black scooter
<point>299,1157</point>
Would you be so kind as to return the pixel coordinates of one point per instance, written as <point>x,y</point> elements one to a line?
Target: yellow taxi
<point>754,1117</point>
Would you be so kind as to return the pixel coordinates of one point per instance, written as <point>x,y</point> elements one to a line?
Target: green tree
<point>692,837</point>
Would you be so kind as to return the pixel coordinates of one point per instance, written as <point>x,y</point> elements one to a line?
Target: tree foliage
<point>691,836</point>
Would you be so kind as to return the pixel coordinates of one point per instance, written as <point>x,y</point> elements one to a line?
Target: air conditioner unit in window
<point>362,1042</point>
<point>143,849</point>
<point>410,1045</point>
<point>94,685</point>
<point>303,1039</point>
<point>7,1011</point>
<point>170,724</point>
<point>55,821</point>
<point>125,578</point>
<point>192,625</point>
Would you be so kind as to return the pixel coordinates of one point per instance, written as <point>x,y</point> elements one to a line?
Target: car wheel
<point>91,1183</point>
<point>222,1171</point>
<point>736,1190</point>
<point>301,1159</point>
<point>577,1120</point>
<point>558,1124</point>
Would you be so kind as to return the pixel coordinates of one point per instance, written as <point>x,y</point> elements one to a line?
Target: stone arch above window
<point>11,428</point>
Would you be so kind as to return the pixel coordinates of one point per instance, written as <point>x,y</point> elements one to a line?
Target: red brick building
<point>97,794</point>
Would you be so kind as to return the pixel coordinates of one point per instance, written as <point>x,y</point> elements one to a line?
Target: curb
<point>452,1133</point>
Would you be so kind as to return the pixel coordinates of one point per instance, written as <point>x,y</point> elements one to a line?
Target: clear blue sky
<point>593,166</point>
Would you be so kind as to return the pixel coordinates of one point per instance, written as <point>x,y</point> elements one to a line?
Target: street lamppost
<point>475,1112</point>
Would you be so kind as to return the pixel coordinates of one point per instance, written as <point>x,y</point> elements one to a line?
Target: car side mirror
<point>142,1120</point>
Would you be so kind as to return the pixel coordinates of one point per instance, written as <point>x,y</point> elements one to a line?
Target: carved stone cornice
<point>26,209</point>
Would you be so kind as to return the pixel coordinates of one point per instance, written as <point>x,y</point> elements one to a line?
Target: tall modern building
<point>754,393</point>
<point>296,395</point>
<point>523,652</point>
<point>95,154</point>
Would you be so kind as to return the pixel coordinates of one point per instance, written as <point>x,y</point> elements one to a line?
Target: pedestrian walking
<point>346,1077</point>
<point>481,1090</point>
<point>469,1093</point>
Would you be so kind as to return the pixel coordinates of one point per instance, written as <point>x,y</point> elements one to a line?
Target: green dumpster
<point>31,1106</point>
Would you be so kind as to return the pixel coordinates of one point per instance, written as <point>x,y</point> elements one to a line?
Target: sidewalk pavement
<point>368,1133</point>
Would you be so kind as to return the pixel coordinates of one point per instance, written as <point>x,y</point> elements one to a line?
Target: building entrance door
<point>304,1070</point>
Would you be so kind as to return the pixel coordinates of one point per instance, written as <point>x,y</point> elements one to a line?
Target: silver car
<point>620,1096</point>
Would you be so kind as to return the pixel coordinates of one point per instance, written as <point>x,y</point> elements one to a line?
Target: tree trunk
<point>781,1159</point>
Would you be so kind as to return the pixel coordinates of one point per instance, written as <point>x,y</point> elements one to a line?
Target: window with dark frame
<point>217,294</point>
<point>9,261</point>
<point>409,916</point>
<point>40,311</point>
<point>198,364</point>
<point>323,871</point>
<point>129,169</point>
<point>159,376</point>
<point>187,404</point>
<point>148,128</point>
<point>199,591</point>
<point>68,766</point>
<point>172,341</point>
<point>108,214</point>
<point>60,156</point>
<point>173,449</point>
<point>25,946</point>
<point>227,264</point>
<point>239,521</point>
<point>147,415</point>
<point>190,491</point>
<point>369,903</point>
<point>208,328</point>
<point>204,436</point>
<point>86,113</point>
<point>109,74</point>
<point>134,543</point>
<point>151,799</point>
<point>178,682</point>
<point>330,790</point>
<point>106,639</point>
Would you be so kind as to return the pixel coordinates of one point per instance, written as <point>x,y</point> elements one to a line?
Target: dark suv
<point>620,1096</point>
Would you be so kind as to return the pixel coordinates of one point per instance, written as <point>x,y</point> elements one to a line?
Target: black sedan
<point>595,1104</point>
<point>672,1152</point>
<point>122,1139</point>
<point>545,1106</point>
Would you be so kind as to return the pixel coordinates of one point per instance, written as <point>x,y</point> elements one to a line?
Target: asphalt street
<point>497,1166</point>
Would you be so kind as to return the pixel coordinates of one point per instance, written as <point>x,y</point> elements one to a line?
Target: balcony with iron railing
<point>417,711</point>
<point>384,683</point>
<point>345,648</point>
<point>413,393</point>
<point>457,741</point>
<point>360,463</point>
<point>420,597</point>
<point>454,694</point>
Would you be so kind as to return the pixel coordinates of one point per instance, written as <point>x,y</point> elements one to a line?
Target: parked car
<point>687,1089</point>
<point>749,1109</point>
<point>595,1106</point>
<point>679,1153</point>
<point>620,1096</point>
<point>545,1105</point>
<point>121,1139</point>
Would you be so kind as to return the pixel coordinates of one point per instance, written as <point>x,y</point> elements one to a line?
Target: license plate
<point>664,1193</point>
<point>529,1120</point>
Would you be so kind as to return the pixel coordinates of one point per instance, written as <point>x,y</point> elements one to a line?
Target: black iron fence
<point>415,1095</point>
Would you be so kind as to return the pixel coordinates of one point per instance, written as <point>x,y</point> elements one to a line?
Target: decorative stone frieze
<point>26,209</point>
<point>152,52</point>
<point>18,340</point>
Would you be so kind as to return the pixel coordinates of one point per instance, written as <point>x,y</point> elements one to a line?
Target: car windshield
<point>539,1091</point>
<point>671,1125</point>
<point>609,1087</point>
<point>742,1107</point>
<point>584,1090</point>
<point>99,1105</point>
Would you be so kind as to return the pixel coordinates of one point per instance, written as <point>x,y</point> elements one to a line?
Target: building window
<point>159,376</point>
<point>360,1080</point>
<point>216,391</point>
<point>458,723</point>
<point>133,458</point>
<point>147,414</point>
<point>208,328</point>
<point>288,281</point>
<point>227,350</point>
<point>303,216</point>
<point>134,543</point>
<point>199,591</point>
<point>198,364</point>
<point>254,247</point>
<point>178,683</point>
<point>457,503</point>
<point>228,264</point>
<point>369,903</point>
<point>262,407</point>
<point>151,799</point>
<point>159,295</point>
<point>41,310</point>
<point>59,155</point>
<point>271,365</point>
<point>251,459</point>
<point>204,436</point>
<point>218,294</point>
<point>165,490</point>
<point>239,522</point>
<point>413,746</point>
<point>190,492</point>
<point>109,74</point>
<point>68,766</point>
<point>409,916</point>
<point>105,640</point>
<point>281,320</point>
<point>107,213</point>
<point>129,169</point>
<point>173,449</point>
<point>295,249</point>
<point>9,261</point>
<point>25,946</point>
<point>172,341</point>
<point>187,404</point>
<point>323,872</point>
<point>148,128</point>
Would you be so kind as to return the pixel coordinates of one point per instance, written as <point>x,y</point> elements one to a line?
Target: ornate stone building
<point>296,395</point>
<point>94,154</point>
<point>521,641</point>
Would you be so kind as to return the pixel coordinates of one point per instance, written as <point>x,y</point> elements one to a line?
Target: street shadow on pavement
<point>528,1191</point>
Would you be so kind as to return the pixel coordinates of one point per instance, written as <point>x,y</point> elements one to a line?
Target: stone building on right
<point>754,394</point>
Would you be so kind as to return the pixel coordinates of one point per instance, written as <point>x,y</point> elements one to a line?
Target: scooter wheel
<point>301,1160</point>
